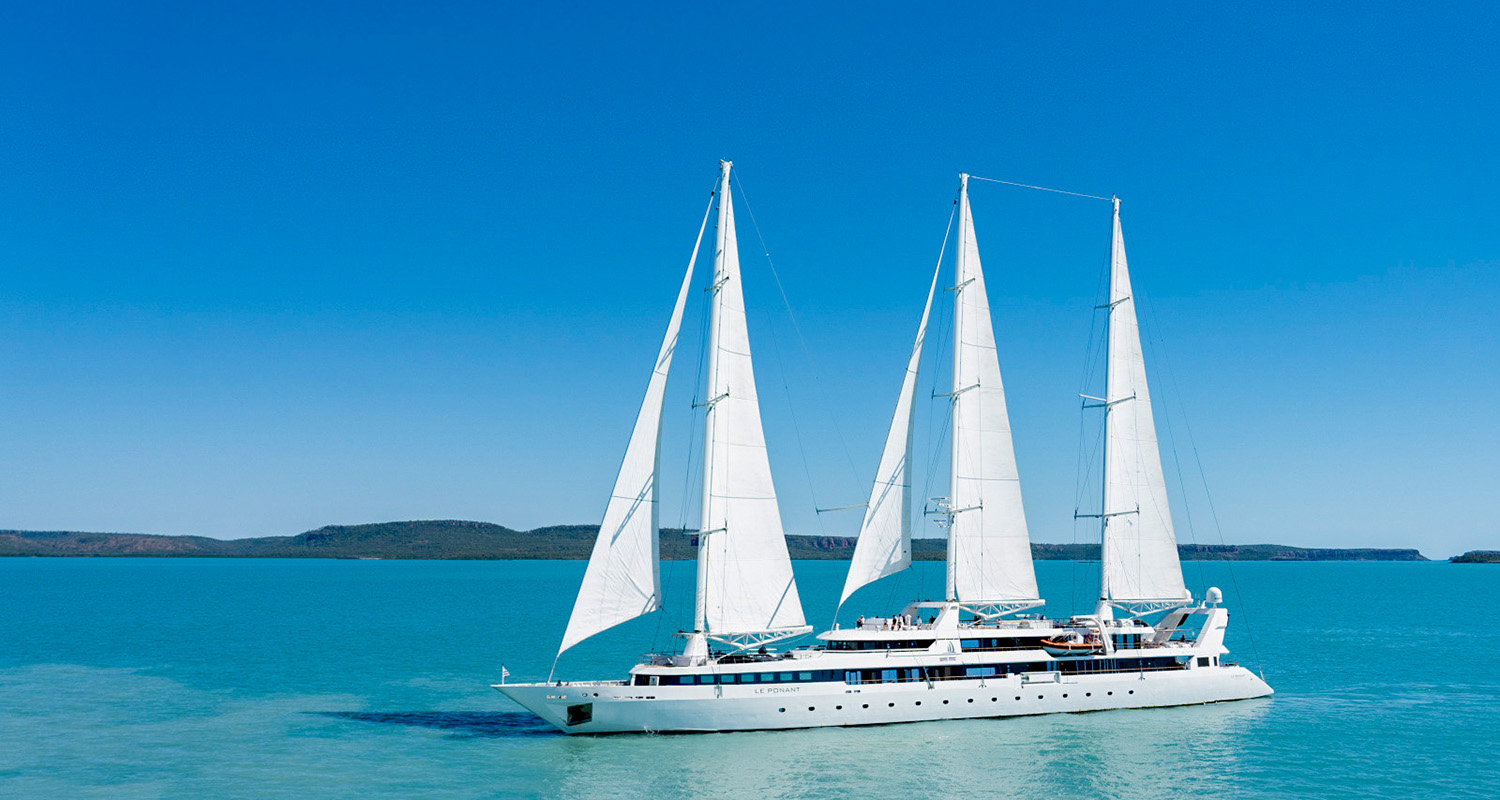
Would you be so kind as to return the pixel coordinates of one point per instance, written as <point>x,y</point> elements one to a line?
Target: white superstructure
<point>971,654</point>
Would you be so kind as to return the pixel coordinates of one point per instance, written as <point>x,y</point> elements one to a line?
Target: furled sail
<point>989,550</point>
<point>1140,562</point>
<point>745,582</point>
<point>623,579</point>
<point>884,544</point>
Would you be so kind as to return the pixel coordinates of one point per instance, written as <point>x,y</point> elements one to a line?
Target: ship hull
<point>585,708</point>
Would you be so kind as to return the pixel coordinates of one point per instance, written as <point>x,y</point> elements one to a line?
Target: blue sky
<point>266,269</point>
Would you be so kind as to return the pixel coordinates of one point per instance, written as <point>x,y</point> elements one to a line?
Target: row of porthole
<point>945,702</point>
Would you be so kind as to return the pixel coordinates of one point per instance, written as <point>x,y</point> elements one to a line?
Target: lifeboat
<point>1075,644</point>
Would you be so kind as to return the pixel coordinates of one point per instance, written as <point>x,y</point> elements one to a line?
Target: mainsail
<point>1139,559</point>
<point>623,579</point>
<point>989,550</point>
<point>884,544</point>
<point>745,582</point>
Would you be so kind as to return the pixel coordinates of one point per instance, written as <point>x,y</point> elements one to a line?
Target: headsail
<point>989,550</point>
<point>745,582</point>
<point>1139,559</point>
<point>623,579</point>
<point>884,544</point>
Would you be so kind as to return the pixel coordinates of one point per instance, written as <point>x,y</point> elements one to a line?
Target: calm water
<point>285,678</point>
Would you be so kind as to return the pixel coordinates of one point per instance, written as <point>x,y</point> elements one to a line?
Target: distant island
<point>1477,557</point>
<point>453,539</point>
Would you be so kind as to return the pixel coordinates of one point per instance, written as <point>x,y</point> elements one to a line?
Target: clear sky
<point>269,268</point>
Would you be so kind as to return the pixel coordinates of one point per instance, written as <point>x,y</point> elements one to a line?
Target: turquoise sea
<point>128,678</point>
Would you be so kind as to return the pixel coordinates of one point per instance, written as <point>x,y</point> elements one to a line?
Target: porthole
<point>1111,694</point>
<point>1088,694</point>
<point>919,702</point>
<point>971,699</point>
<point>1039,697</point>
<point>994,699</point>
<point>782,710</point>
<point>945,702</point>
<point>866,705</point>
<point>838,708</point>
<point>1065,697</point>
<point>892,705</point>
<point>1018,697</point>
<point>1132,691</point>
<point>812,708</point>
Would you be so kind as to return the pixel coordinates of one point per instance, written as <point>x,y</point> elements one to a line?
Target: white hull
<point>617,708</point>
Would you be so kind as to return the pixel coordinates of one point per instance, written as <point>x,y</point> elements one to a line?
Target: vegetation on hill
<point>1477,557</point>
<point>453,539</point>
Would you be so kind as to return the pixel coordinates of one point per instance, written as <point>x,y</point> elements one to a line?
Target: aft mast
<point>1140,571</point>
<point>746,593</point>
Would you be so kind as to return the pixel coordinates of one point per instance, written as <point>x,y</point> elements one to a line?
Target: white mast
<point>623,579</point>
<point>884,544</point>
<point>989,549</point>
<point>1139,566</point>
<point>746,592</point>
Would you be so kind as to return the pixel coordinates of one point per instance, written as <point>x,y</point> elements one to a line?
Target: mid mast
<point>746,593</point>
<point>989,550</point>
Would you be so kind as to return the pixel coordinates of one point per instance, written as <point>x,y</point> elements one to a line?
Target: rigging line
<point>1159,347</point>
<point>1092,357</point>
<point>1041,188</point>
<point>693,427</point>
<point>796,429</point>
<point>942,341</point>
<point>1208,494</point>
<point>802,339</point>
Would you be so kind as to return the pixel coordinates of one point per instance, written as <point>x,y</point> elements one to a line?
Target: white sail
<point>623,579</point>
<point>989,550</point>
<point>1139,557</point>
<point>884,544</point>
<point>745,582</point>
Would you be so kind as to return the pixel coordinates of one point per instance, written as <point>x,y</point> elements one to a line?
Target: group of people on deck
<point>900,622</point>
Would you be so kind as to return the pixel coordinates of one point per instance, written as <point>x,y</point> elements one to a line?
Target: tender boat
<point>1074,644</point>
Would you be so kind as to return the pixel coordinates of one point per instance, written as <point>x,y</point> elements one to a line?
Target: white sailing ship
<point>972,654</point>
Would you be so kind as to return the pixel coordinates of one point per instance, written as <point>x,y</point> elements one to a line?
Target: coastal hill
<point>452,539</point>
<point>1477,557</point>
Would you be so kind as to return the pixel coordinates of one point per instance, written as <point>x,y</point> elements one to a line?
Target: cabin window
<point>851,676</point>
<point>786,677</point>
<point>979,671</point>
<point>804,676</point>
<point>655,680</point>
<point>1202,662</point>
<point>887,676</point>
<point>687,680</point>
